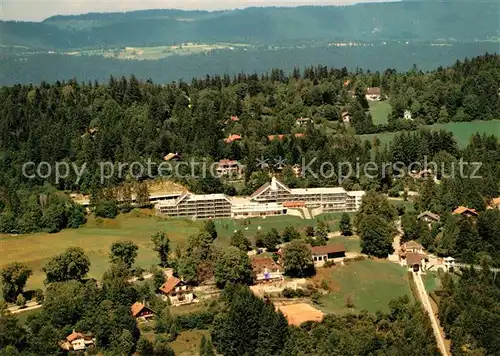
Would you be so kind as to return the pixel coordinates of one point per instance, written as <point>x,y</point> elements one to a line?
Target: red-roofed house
<point>228,167</point>
<point>177,291</point>
<point>415,261</point>
<point>141,312</point>
<point>265,269</point>
<point>232,138</point>
<point>77,341</point>
<point>464,211</point>
<point>235,118</point>
<point>321,254</point>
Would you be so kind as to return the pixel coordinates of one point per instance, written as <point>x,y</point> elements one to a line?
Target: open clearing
<point>380,111</point>
<point>461,130</point>
<point>371,284</point>
<point>98,234</point>
<point>158,52</point>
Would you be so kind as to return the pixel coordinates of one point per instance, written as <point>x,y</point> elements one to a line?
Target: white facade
<point>267,200</point>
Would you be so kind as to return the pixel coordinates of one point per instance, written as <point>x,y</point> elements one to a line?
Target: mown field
<point>380,111</point>
<point>371,284</point>
<point>97,236</point>
<point>461,130</point>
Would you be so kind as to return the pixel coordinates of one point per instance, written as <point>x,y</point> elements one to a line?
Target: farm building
<point>265,269</point>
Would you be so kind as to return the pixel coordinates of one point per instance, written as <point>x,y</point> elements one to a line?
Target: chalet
<point>303,121</point>
<point>464,211</point>
<point>265,269</point>
<point>373,94</point>
<point>429,217</point>
<point>346,117</point>
<point>172,157</point>
<point>77,342</point>
<point>227,167</point>
<point>232,138</point>
<point>141,312</point>
<point>322,254</point>
<point>176,291</point>
<point>296,314</point>
<point>412,247</point>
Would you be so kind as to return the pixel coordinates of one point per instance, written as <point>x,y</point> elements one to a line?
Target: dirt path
<point>424,298</point>
<point>29,306</point>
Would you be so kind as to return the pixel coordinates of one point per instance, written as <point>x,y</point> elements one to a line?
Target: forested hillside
<point>414,21</point>
<point>126,120</point>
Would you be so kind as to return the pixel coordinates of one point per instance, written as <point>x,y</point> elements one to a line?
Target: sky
<point>37,10</point>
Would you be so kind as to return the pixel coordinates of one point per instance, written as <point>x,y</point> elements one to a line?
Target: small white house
<point>407,115</point>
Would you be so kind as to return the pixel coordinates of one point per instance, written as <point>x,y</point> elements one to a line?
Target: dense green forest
<point>127,120</point>
<point>407,20</point>
<point>470,312</point>
<point>34,68</point>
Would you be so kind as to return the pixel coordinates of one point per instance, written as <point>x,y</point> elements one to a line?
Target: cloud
<point>37,10</point>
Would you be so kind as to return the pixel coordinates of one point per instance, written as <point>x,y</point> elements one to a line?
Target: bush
<point>329,263</point>
<point>20,301</point>
<point>39,296</point>
<point>315,297</point>
<point>106,209</point>
<point>199,320</point>
<point>289,293</point>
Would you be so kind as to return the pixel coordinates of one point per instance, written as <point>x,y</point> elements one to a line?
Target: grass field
<point>461,130</point>
<point>97,236</point>
<point>188,342</point>
<point>370,283</point>
<point>406,203</point>
<point>380,111</point>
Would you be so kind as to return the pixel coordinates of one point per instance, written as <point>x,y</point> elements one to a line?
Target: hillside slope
<point>416,21</point>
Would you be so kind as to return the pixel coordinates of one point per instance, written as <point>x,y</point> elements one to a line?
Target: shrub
<point>39,296</point>
<point>289,293</point>
<point>20,301</point>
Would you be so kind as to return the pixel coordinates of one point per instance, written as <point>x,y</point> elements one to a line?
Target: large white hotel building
<point>273,198</point>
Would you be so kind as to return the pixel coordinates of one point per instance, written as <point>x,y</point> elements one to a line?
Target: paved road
<point>29,306</point>
<point>424,298</point>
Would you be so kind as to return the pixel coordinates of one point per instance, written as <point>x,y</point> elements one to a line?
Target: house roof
<point>76,335</point>
<point>297,314</point>
<point>227,162</point>
<point>414,258</point>
<point>303,119</point>
<point>235,118</point>
<point>373,91</point>
<point>171,156</point>
<point>495,201</point>
<point>232,138</point>
<point>137,307</point>
<point>462,209</point>
<point>170,284</point>
<point>260,264</point>
<point>429,214</point>
<point>412,244</point>
<point>345,113</point>
<point>334,248</point>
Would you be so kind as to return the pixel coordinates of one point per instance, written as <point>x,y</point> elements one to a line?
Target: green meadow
<point>462,131</point>
<point>97,235</point>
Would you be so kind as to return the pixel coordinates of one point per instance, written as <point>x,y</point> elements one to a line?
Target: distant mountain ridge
<point>406,20</point>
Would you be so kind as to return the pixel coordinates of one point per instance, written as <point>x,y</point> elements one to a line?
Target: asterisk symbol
<point>262,162</point>
<point>280,162</point>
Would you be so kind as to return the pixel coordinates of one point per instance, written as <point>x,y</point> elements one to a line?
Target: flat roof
<point>335,190</point>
